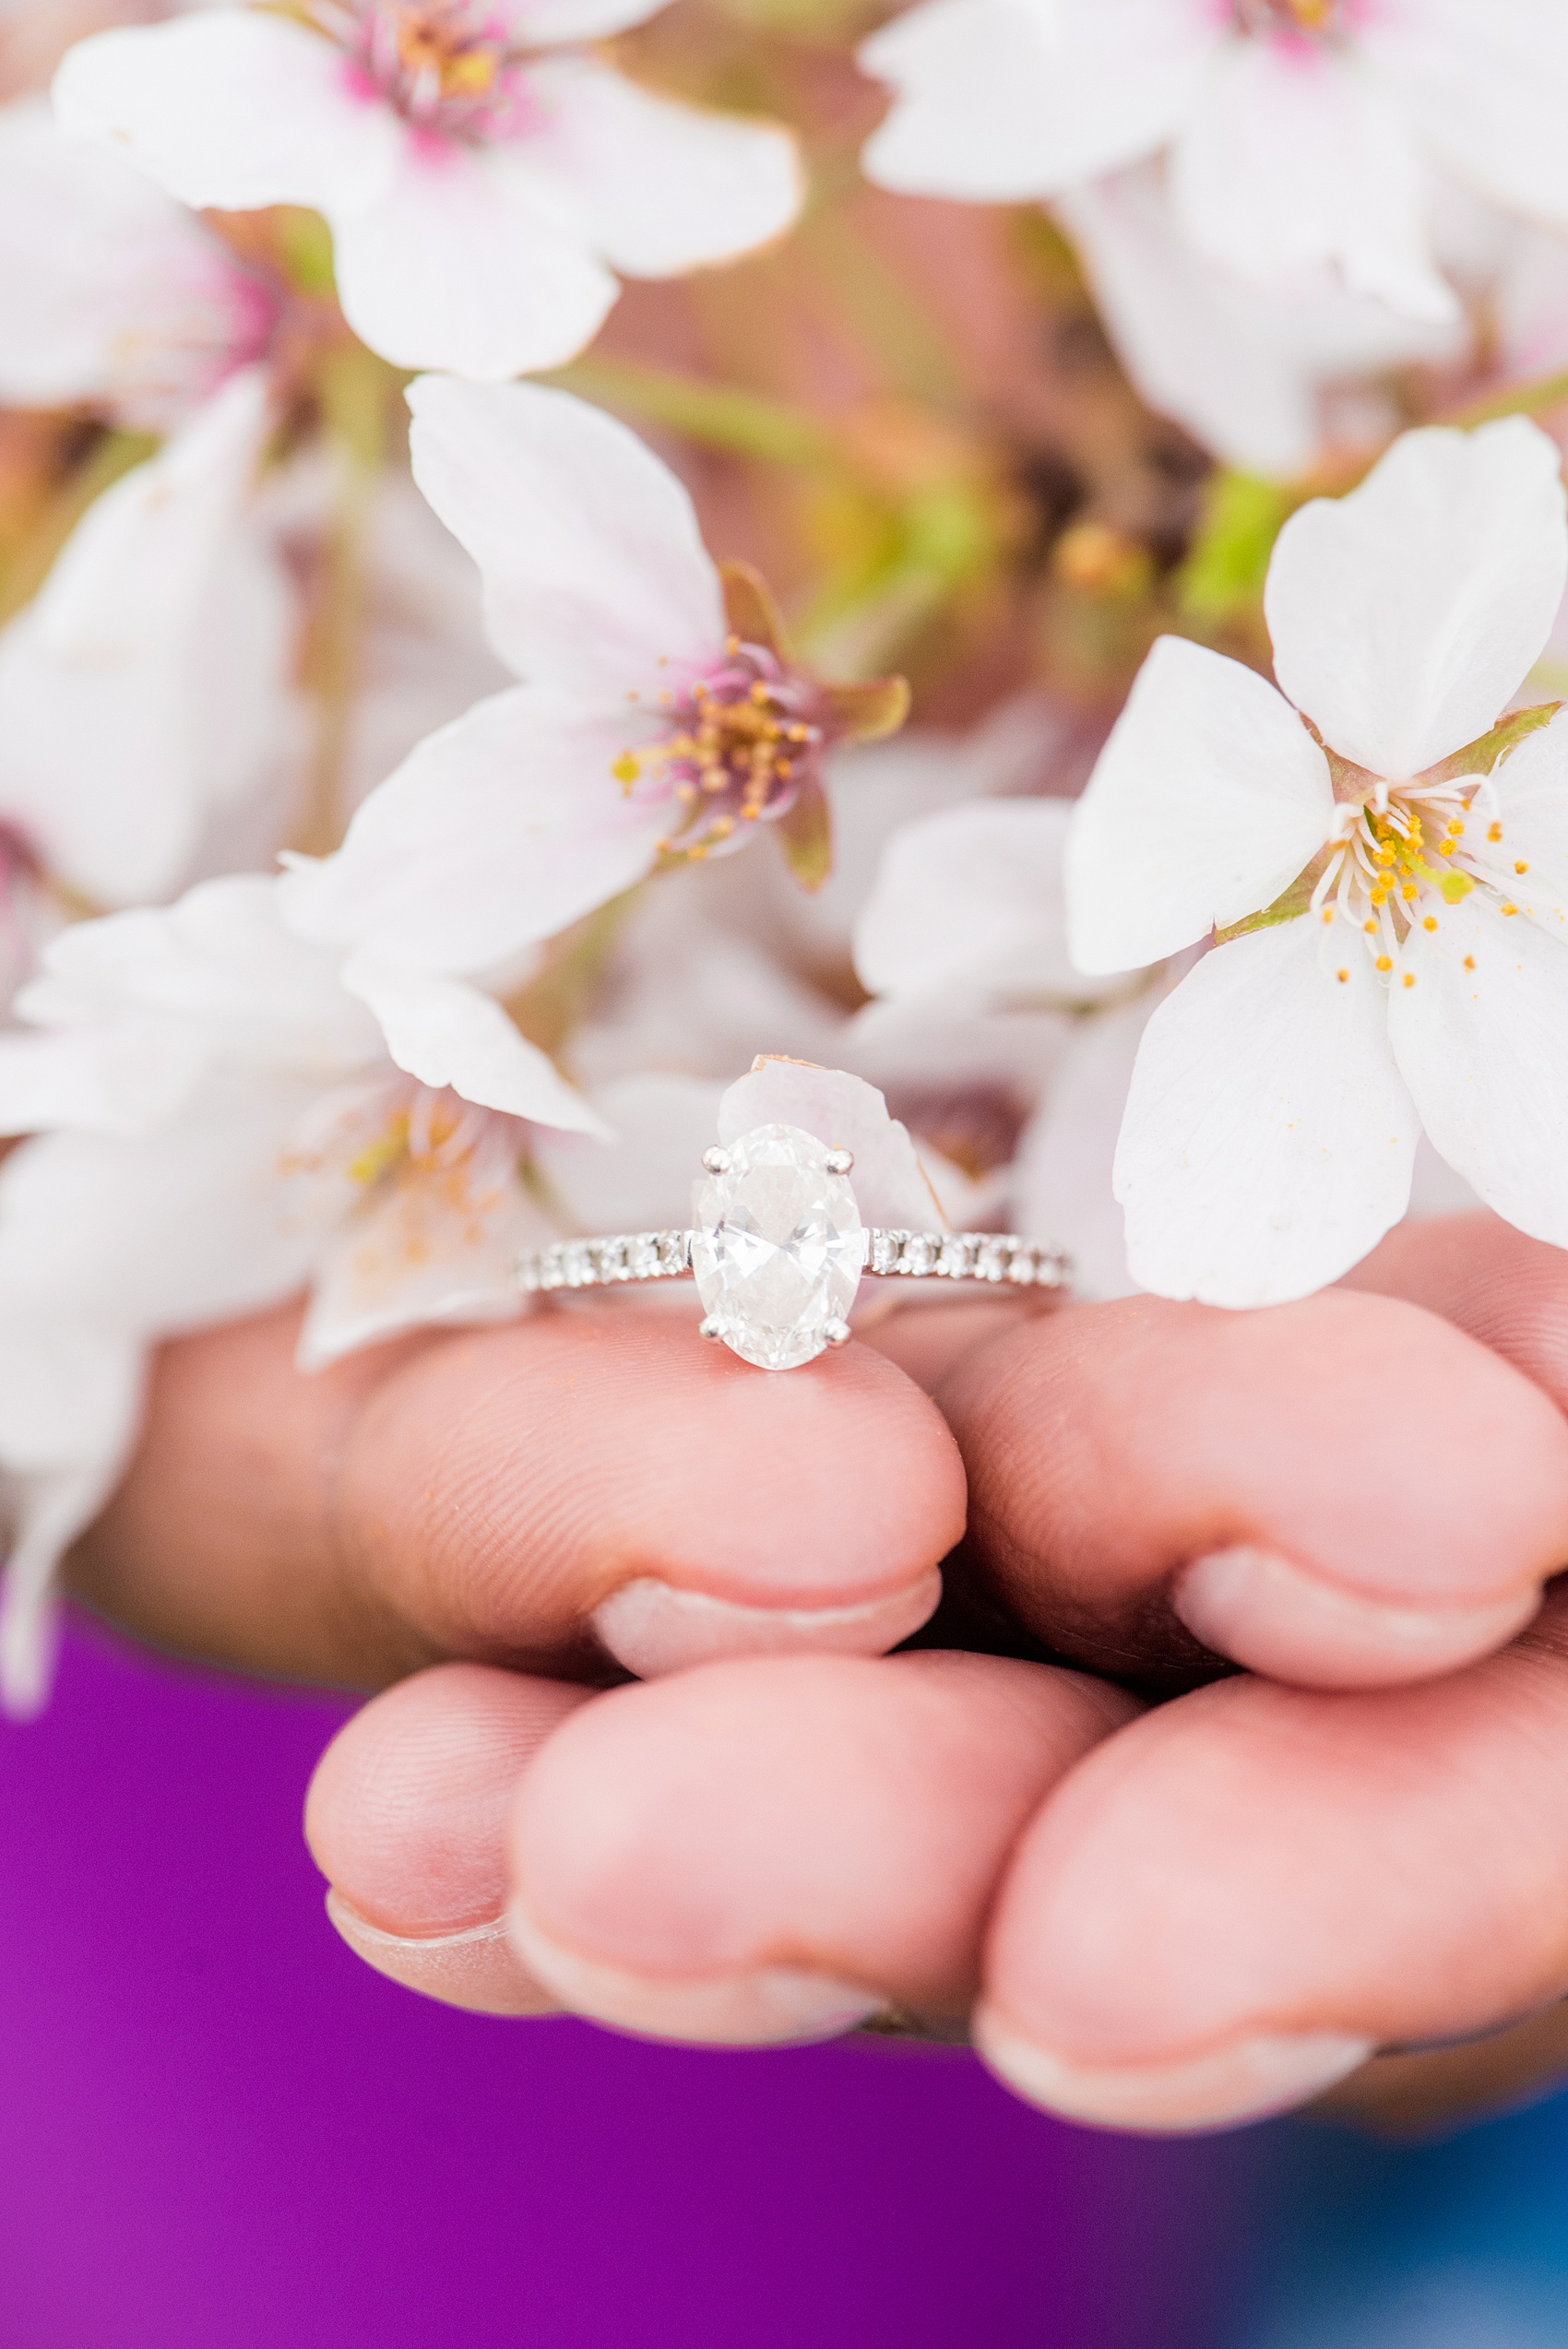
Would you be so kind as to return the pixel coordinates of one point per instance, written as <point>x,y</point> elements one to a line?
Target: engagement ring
<point>779,1250</point>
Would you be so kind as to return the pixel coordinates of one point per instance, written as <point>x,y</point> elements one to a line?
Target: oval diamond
<point>778,1247</point>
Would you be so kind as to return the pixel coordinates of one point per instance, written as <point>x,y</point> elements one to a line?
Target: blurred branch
<point>111,457</point>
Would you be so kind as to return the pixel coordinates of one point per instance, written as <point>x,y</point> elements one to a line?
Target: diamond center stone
<point>778,1247</point>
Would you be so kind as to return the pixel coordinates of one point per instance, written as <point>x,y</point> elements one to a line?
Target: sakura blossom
<point>1382,861</point>
<point>663,718</point>
<point>216,1126</point>
<point>484,171</point>
<point>1298,137</point>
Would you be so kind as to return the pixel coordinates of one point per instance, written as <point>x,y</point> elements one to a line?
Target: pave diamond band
<point>989,1256</point>
<point>778,1249</point>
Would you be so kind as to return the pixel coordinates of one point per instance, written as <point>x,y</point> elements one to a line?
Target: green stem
<point>110,459</point>
<point>718,415</point>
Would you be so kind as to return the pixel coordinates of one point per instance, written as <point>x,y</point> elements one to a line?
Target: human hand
<point>1233,1900</point>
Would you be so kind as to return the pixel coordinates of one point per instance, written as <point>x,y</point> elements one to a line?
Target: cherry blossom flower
<point>112,296</point>
<point>1257,373</point>
<point>664,718</point>
<point>1299,135</point>
<point>217,1125</point>
<point>483,173</point>
<point>1386,876</point>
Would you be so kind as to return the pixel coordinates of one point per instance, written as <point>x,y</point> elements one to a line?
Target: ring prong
<point>837,1334</point>
<point>839,1161</point>
<point>710,1328</point>
<point>716,1160</point>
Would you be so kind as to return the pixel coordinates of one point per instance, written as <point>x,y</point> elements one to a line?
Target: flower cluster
<point>419,811</point>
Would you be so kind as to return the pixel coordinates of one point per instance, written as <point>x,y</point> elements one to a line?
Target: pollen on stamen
<point>1409,978</point>
<point>1469,961</point>
<point>1510,909</point>
<point>1494,831</point>
<point>1521,865</point>
<point>1328,913</point>
<point>1430,923</point>
<point>1342,976</point>
<point>1371,929</point>
<point>1386,962</point>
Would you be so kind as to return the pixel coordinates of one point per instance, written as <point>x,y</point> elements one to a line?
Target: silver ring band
<point>994,1257</point>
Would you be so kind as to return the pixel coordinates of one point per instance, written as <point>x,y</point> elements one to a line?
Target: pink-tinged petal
<point>970,901</point>
<point>449,1034</point>
<point>1295,165</point>
<point>1244,369</point>
<point>469,261</point>
<point>1207,800</point>
<point>663,187</point>
<point>496,833</point>
<point>146,684</point>
<point>1268,1136</point>
<point>999,99</point>
<point>1479,1041</point>
<point>1484,86</point>
<point>594,567</point>
<point>109,291</point>
<point>439,1249</point>
<point>641,1180</point>
<point>848,1114</point>
<point>1405,616</point>
<point>232,108</point>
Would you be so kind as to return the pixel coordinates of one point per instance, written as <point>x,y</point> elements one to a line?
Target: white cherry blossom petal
<point>1000,98</point>
<point>120,1079</point>
<point>52,1507</point>
<point>1269,1137</point>
<point>1478,1037</point>
<point>109,291</point>
<point>891,1187</point>
<point>642,1180</point>
<point>1244,367</point>
<point>146,684</point>
<point>594,567</point>
<point>540,24</point>
<point>1062,1174</point>
<point>232,107</point>
<point>1484,85</point>
<point>1528,798</point>
<point>971,899</point>
<point>663,187</point>
<point>446,1033</point>
<point>497,832</point>
<point>1405,616</point>
<point>1209,799</point>
<point>470,259</point>
<point>428,1251</point>
<point>1294,164</point>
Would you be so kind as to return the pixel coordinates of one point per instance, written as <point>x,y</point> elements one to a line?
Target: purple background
<point>218,2128</point>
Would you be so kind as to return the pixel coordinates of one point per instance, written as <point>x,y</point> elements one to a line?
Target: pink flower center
<point>1289,17</point>
<point>743,739</point>
<point>449,66</point>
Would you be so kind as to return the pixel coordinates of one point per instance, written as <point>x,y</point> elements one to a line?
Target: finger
<point>1507,1291</point>
<point>1239,1899</point>
<point>1343,1492</point>
<point>535,1496</point>
<point>406,1818</point>
<point>778,1849</point>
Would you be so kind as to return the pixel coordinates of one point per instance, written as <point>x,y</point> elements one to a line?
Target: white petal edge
<point>1269,1137</point>
<point>1209,799</point>
<point>970,897</point>
<point>1406,615</point>
<point>1479,1039</point>
<point>448,1033</point>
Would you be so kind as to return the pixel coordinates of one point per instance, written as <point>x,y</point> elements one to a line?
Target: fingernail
<point>768,2006</point>
<point>652,1628</point>
<point>1263,1611</point>
<point>1246,2080</point>
<point>479,1968</point>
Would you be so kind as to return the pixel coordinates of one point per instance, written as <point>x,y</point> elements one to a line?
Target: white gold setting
<point>778,1251</point>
